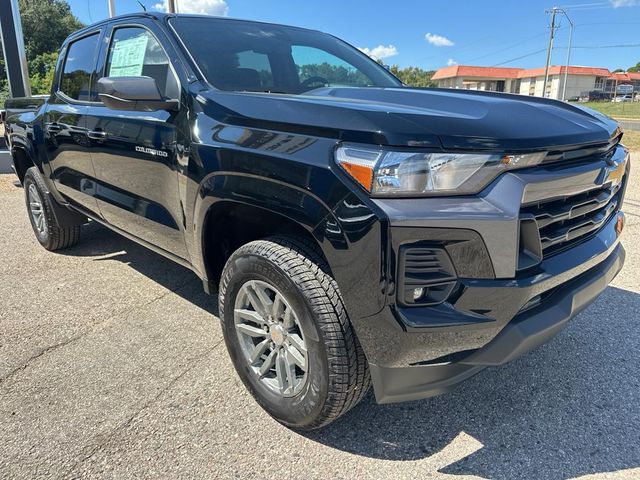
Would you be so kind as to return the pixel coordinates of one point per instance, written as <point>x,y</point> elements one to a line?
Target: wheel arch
<point>22,161</point>
<point>348,234</point>
<point>230,224</point>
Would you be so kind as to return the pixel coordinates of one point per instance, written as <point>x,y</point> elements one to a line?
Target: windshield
<point>248,56</point>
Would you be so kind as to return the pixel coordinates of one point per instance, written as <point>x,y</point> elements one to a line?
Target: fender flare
<point>301,206</point>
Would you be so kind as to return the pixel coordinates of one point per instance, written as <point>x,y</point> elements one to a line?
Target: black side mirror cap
<point>133,93</point>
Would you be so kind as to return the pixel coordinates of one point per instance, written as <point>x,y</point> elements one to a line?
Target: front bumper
<point>526,331</point>
<point>497,311</point>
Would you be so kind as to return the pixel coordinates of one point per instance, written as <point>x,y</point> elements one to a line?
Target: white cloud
<point>381,51</point>
<point>451,61</point>
<point>208,7</point>
<point>624,3</point>
<point>438,40</point>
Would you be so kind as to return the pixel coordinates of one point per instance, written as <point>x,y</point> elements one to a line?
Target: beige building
<point>531,82</point>
<point>494,79</point>
<point>579,79</point>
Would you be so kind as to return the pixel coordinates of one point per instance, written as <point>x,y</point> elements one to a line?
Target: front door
<point>134,153</point>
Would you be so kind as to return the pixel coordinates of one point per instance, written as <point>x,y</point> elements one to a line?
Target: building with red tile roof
<point>579,79</point>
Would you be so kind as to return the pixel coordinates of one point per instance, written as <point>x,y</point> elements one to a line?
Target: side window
<point>134,52</point>
<point>77,74</point>
<point>257,65</point>
<point>242,70</point>
<point>312,62</point>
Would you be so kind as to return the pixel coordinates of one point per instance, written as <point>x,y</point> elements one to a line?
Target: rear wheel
<point>43,221</point>
<point>288,334</point>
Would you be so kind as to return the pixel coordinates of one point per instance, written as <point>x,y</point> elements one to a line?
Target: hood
<point>451,119</point>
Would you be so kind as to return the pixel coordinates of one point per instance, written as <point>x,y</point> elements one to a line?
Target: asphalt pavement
<point>112,365</point>
<point>630,124</point>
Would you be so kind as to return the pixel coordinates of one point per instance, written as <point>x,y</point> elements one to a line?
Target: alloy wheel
<point>271,337</point>
<point>37,210</point>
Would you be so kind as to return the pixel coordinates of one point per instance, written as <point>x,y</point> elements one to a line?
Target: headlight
<point>384,172</point>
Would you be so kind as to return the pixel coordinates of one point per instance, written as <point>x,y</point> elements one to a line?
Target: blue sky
<point>432,34</point>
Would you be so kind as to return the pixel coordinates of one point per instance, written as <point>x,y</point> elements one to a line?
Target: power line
<point>504,49</point>
<point>627,45</point>
<point>583,5</point>
<point>530,54</point>
<point>588,6</point>
<point>606,23</point>
<point>458,47</point>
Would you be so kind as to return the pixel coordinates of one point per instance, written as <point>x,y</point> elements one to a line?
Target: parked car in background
<point>622,98</point>
<point>594,96</point>
<point>357,231</point>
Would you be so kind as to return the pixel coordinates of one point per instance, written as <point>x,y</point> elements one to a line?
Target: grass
<point>631,140</point>
<point>629,110</point>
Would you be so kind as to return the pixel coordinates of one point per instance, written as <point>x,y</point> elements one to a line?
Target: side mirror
<point>133,93</point>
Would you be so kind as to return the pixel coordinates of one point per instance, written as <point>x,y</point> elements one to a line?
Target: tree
<point>414,76</point>
<point>41,70</point>
<point>635,68</point>
<point>334,74</point>
<point>45,25</point>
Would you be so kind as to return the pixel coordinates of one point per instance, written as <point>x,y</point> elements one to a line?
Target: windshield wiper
<point>264,91</point>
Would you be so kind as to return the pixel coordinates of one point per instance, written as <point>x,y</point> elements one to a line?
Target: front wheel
<point>43,221</point>
<point>288,334</point>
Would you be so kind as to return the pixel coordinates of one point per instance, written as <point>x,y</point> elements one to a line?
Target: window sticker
<point>127,57</point>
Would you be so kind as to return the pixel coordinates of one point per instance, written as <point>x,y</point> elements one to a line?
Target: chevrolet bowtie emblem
<point>616,173</point>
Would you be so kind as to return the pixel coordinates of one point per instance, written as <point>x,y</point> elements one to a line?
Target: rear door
<point>134,153</point>
<point>66,135</point>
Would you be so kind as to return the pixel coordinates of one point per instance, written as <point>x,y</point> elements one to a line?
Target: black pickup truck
<point>357,231</point>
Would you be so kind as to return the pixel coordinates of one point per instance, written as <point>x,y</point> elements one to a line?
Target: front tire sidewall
<point>45,237</point>
<point>303,408</point>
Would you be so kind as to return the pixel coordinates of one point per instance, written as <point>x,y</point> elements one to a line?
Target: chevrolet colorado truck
<point>357,231</point>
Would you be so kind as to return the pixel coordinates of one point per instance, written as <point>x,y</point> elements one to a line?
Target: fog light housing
<point>426,275</point>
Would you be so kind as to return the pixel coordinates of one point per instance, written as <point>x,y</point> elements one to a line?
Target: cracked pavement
<point>112,365</point>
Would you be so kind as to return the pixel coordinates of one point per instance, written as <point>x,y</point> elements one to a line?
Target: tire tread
<point>59,237</point>
<point>349,378</point>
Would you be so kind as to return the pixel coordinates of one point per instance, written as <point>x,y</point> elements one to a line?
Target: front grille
<point>562,223</point>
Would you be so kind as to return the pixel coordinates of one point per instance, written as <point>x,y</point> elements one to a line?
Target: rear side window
<point>77,74</point>
<point>134,52</point>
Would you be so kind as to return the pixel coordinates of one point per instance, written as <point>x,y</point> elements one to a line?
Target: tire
<point>336,376</point>
<point>45,225</point>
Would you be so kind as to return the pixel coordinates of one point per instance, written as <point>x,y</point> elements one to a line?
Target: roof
<point>502,72</point>
<point>117,17</point>
<point>560,70</point>
<point>162,15</point>
<point>479,72</point>
<point>626,76</point>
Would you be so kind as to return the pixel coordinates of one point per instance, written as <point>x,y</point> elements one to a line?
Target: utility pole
<point>566,67</point>
<point>171,6</point>
<point>112,8</point>
<point>554,10</point>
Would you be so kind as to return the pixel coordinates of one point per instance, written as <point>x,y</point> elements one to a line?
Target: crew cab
<point>357,231</point>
